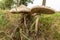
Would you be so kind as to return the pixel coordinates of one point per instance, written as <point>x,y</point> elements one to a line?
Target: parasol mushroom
<point>42,9</point>
<point>25,14</point>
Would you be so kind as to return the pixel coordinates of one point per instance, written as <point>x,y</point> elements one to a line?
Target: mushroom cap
<point>13,10</point>
<point>20,9</point>
<point>42,9</point>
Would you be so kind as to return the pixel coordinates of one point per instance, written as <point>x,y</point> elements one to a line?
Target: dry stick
<point>10,36</point>
<point>14,31</point>
<point>24,35</point>
<point>32,25</point>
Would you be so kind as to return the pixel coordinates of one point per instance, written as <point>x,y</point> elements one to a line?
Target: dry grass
<point>44,27</point>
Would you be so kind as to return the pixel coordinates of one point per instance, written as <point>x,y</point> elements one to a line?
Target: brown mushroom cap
<point>20,9</point>
<point>42,9</point>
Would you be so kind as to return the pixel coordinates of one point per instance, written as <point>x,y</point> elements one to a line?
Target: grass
<point>46,28</point>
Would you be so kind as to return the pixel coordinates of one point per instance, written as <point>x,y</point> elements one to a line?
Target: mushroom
<point>22,9</point>
<point>42,9</point>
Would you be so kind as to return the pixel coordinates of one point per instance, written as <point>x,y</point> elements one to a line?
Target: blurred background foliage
<point>8,4</point>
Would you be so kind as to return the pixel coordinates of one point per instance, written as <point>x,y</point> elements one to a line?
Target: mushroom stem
<point>25,21</point>
<point>25,24</point>
<point>36,24</point>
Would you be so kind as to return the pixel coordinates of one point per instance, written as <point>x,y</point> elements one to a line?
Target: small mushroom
<point>42,9</point>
